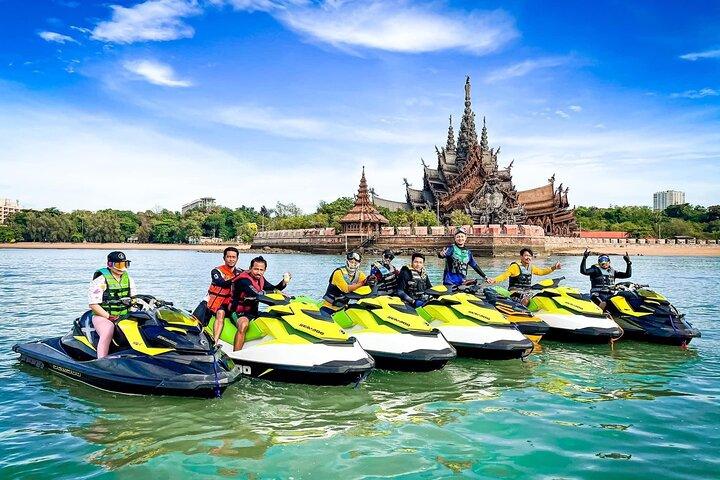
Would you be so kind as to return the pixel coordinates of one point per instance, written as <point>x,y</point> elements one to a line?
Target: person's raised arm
<point>583,269</point>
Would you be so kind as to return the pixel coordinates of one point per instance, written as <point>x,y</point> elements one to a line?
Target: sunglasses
<point>120,265</point>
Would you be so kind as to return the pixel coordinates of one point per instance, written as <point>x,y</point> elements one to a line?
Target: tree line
<point>241,224</point>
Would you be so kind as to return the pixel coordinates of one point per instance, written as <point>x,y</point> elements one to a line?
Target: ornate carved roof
<point>391,205</point>
<point>364,211</point>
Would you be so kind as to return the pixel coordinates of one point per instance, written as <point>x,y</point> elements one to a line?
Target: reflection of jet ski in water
<point>649,316</point>
<point>517,313</point>
<point>393,333</point>
<point>571,315</point>
<point>156,349</point>
<point>471,325</point>
<point>294,342</point>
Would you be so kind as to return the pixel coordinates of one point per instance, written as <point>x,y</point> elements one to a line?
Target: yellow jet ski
<point>292,341</point>
<point>393,333</point>
<point>518,314</point>
<point>571,315</point>
<point>474,327</point>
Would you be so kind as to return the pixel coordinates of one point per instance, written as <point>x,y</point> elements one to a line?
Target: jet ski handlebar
<point>141,302</point>
<point>622,286</point>
<point>555,283</point>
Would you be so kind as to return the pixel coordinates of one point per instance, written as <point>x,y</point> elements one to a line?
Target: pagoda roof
<point>391,205</point>
<point>364,211</point>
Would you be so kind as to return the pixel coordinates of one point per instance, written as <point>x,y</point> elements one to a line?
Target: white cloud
<point>698,55</point>
<point>523,68</point>
<point>397,27</point>
<point>155,72</point>
<point>153,20</point>
<point>575,108</point>
<point>703,92</point>
<point>561,114</point>
<point>56,37</point>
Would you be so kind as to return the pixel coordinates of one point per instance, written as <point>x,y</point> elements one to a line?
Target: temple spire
<point>362,197</point>
<point>450,146</point>
<point>484,137</point>
<point>467,138</point>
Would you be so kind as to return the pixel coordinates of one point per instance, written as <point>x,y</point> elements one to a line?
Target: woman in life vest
<point>109,285</point>
<point>218,296</point>
<point>413,281</point>
<point>457,260</point>
<point>385,274</point>
<point>343,280</point>
<point>520,275</point>
<point>245,289</point>
<point>602,276</point>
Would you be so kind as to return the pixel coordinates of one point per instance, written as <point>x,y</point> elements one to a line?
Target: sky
<point>150,104</point>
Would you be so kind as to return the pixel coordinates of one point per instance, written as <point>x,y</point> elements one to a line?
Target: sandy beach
<point>687,250</point>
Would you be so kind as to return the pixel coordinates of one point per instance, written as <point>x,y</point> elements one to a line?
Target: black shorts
<point>249,316</point>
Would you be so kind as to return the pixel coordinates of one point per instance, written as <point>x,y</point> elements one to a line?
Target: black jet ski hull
<point>337,373</point>
<point>131,373</point>
<point>417,361</point>
<point>584,335</point>
<point>499,350</point>
<point>532,328</point>
<point>650,331</point>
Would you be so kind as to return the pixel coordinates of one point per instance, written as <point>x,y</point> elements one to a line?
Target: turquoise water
<point>570,411</point>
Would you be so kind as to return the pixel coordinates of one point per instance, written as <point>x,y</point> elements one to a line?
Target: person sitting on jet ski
<point>385,273</point>
<point>343,280</point>
<point>457,259</point>
<point>602,276</point>
<point>520,275</point>
<point>413,281</point>
<point>244,291</point>
<point>109,284</point>
<point>218,297</point>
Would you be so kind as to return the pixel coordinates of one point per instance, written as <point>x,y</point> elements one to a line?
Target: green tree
<point>458,217</point>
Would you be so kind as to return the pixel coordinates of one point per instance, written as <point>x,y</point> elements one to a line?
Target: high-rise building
<point>204,203</point>
<point>7,207</point>
<point>662,200</point>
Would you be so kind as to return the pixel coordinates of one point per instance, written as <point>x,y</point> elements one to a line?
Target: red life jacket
<point>248,306</point>
<point>218,296</point>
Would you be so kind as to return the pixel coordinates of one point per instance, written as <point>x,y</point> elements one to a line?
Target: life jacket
<point>522,281</point>
<point>387,285</point>
<point>458,262</point>
<point>417,284</point>
<point>602,283</point>
<point>333,292</point>
<point>115,291</point>
<point>245,304</point>
<point>217,296</point>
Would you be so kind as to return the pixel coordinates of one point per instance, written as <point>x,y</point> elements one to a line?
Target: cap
<point>116,257</point>
<point>353,256</point>
<point>603,259</point>
<point>388,254</point>
<point>461,230</point>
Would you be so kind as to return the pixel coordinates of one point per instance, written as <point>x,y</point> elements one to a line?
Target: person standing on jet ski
<point>520,275</point>
<point>109,284</point>
<point>457,259</point>
<point>413,281</point>
<point>602,276</point>
<point>218,297</point>
<point>343,280</point>
<point>385,273</point>
<point>244,291</point>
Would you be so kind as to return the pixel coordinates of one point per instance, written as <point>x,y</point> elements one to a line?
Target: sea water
<point>570,411</point>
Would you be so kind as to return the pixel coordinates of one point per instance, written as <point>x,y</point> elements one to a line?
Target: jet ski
<point>292,341</point>
<point>647,315</point>
<point>473,326</point>
<point>571,315</point>
<point>517,313</point>
<point>156,349</point>
<point>392,332</point>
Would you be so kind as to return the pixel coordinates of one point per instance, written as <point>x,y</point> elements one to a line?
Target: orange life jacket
<point>218,296</point>
<point>244,305</point>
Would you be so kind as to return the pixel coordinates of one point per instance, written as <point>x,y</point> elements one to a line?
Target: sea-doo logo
<point>66,371</point>
<point>395,319</point>
<point>311,328</point>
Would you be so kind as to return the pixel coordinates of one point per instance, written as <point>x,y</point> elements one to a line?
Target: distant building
<point>204,203</point>
<point>662,200</point>
<point>204,240</point>
<point>603,234</point>
<point>7,207</point>
<point>363,218</point>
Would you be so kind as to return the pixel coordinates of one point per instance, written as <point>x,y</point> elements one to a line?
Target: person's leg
<point>104,328</point>
<point>327,310</point>
<point>242,325</point>
<point>218,325</point>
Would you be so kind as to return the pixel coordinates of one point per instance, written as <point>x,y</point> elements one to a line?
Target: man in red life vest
<point>218,299</point>
<point>245,289</point>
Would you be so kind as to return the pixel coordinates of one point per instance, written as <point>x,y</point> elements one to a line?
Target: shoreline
<point>686,250</point>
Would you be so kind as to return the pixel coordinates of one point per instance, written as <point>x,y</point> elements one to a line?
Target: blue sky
<point>131,104</point>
